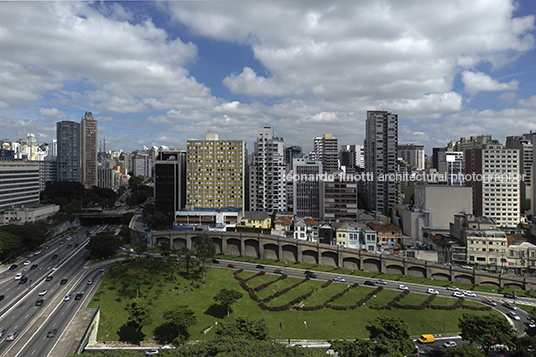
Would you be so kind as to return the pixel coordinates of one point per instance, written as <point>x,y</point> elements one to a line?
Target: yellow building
<point>215,172</point>
<point>256,219</point>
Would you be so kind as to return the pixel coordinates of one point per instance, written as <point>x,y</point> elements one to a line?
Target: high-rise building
<point>19,183</point>
<point>307,188</point>
<point>142,165</point>
<point>352,158</point>
<point>170,181</point>
<point>69,150</point>
<point>413,155</point>
<point>381,160</point>
<point>526,156</point>
<point>496,191</point>
<point>267,184</point>
<point>216,172</point>
<point>292,152</point>
<point>340,197</point>
<point>89,150</point>
<point>326,150</point>
<point>452,165</point>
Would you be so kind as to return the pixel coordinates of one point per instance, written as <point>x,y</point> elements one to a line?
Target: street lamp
<point>306,334</point>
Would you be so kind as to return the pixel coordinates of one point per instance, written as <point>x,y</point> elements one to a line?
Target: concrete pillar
<point>189,242</point>
<point>261,247</point>
<point>224,244</point>
<point>451,274</point>
<point>279,249</point>
<point>427,270</point>
<point>360,261</point>
<point>339,258</point>
<point>319,254</point>
<point>299,246</point>
<point>383,264</point>
<point>242,246</point>
<point>405,266</point>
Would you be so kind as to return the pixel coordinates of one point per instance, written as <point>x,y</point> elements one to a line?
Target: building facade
<point>19,183</point>
<point>69,151</point>
<point>170,181</point>
<point>89,140</point>
<point>216,172</point>
<point>413,155</point>
<point>307,188</point>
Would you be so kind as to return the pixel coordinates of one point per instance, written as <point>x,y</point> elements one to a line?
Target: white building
<point>413,155</point>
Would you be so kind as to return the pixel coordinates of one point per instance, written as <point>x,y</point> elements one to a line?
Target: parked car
<point>52,333</point>
<point>458,294</point>
<point>43,292</point>
<point>63,281</point>
<point>402,287</point>
<point>259,266</point>
<point>509,305</point>
<point>453,288</point>
<point>39,302</point>
<point>339,279</point>
<point>152,352</point>
<point>49,278</point>
<point>467,267</point>
<point>435,352</point>
<point>12,336</point>
<point>69,238</point>
<point>469,293</point>
<point>432,291</point>
<point>489,302</point>
<point>450,344</point>
<point>370,283</point>
<point>514,315</point>
<point>78,296</point>
<point>279,271</point>
<point>381,282</point>
<point>231,265</point>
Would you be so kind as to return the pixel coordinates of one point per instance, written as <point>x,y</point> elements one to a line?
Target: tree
<point>227,297</point>
<point>244,328</point>
<point>526,344</point>
<point>164,249</point>
<point>484,329</point>
<point>186,255</point>
<point>463,351</point>
<point>104,244</point>
<point>389,336</point>
<point>179,318</point>
<point>204,250</point>
<point>8,243</point>
<point>139,315</point>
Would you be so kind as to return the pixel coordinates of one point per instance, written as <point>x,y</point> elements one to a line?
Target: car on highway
<point>63,281</point>
<point>310,274</point>
<point>54,256</point>
<point>69,246</point>
<point>381,282</point>
<point>531,324</point>
<point>339,279</point>
<point>49,278</point>
<point>12,336</point>
<point>370,283</point>
<point>27,262</point>
<point>2,332</point>
<point>458,294</point>
<point>432,291</point>
<point>402,287</point>
<point>215,261</point>
<point>37,252</point>
<point>453,288</point>
<point>510,295</point>
<point>509,305</point>
<point>449,344</point>
<point>259,266</point>
<point>23,280</point>
<point>89,281</point>
<point>103,269</point>
<point>231,265</point>
<point>152,352</point>
<point>33,267</point>
<point>52,333</point>
<point>76,245</point>
<point>69,238</point>
<point>18,276</point>
<point>489,302</point>
<point>67,298</point>
<point>47,247</point>
<point>13,267</point>
<point>469,293</point>
<point>78,296</point>
<point>43,292</point>
<point>39,302</point>
<point>62,242</point>
<point>278,271</point>
<point>1,297</point>
<point>514,315</point>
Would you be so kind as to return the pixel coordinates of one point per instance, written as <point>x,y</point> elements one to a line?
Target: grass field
<point>163,286</point>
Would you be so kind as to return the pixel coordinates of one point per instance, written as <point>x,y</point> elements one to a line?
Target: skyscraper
<point>215,172</point>
<point>68,137</point>
<point>89,150</point>
<point>267,173</point>
<point>413,155</point>
<point>170,181</point>
<point>380,160</point>
<point>326,150</point>
<point>307,199</point>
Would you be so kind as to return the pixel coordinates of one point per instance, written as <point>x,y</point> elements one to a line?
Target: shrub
<point>284,291</point>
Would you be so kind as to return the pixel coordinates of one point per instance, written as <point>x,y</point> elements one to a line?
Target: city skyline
<point>160,73</point>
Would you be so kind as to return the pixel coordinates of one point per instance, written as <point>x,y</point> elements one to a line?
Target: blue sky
<point>159,73</point>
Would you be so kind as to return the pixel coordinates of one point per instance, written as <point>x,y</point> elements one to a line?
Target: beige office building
<point>215,172</point>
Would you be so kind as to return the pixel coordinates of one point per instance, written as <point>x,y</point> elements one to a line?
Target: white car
<point>458,294</point>
<point>67,298</point>
<point>11,336</point>
<point>432,291</point>
<point>89,281</point>
<point>339,279</point>
<point>514,315</point>
<point>37,252</point>
<point>467,267</point>
<point>43,292</point>
<point>402,287</point>
<point>450,344</point>
<point>469,293</point>
<point>27,262</point>
<point>18,276</point>
<point>69,238</point>
<point>152,352</point>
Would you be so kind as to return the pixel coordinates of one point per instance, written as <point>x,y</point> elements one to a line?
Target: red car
<point>231,266</point>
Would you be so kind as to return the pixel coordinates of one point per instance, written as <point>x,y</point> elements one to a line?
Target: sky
<point>157,73</point>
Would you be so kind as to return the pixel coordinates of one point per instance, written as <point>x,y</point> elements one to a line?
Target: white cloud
<point>52,113</point>
<point>480,82</point>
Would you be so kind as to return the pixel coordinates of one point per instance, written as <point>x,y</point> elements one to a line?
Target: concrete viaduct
<point>280,248</point>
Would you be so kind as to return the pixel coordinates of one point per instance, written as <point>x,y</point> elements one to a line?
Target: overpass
<point>94,218</point>
<point>292,250</point>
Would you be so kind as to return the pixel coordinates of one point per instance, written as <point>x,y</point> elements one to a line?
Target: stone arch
<point>271,251</point>
<point>417,271</point>
<point>351,263</point>
<point>310,256</point>
<point>290,252</point>
<point>395,269</point>
<point>371,264</point>
<point>464,278</point>
<point>441,276</point>
<point>330,258</point>
<point>217,241</point>
<point>233,247</point>
<point>251,247</point>
<point>162,240</point>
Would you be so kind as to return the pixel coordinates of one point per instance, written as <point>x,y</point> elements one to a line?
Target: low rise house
<point>389,236</point>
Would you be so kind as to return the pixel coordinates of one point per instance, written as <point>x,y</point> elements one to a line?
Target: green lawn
<point>280,285</point>
<point>163,287</point>
<point>353,296</point>
<point>322,295</point>
<point>262,279</point>
<point>413,299</point>
<point>383,298</point>
<point>294,293</point>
